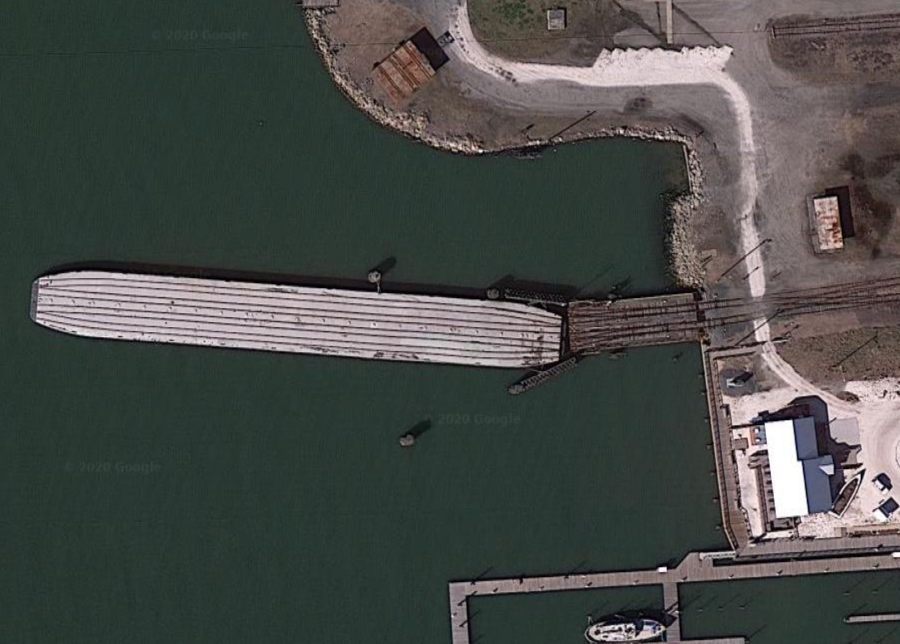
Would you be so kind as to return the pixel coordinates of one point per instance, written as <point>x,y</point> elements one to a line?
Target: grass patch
<point>517,29</point>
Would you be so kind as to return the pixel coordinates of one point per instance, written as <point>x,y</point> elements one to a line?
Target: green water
<point>555,617</point>
<point>154,493</point>
<point>805,609</point>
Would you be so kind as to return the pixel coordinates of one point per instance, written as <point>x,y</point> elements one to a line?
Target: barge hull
<point>296,319</point>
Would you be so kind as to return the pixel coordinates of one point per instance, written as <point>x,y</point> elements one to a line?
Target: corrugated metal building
<point>830,219</point>
<point>800,476</point>
<point>410,66</point>
<point>827,219</point>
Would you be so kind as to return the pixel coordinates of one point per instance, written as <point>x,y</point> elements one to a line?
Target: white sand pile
<point>883,390</point>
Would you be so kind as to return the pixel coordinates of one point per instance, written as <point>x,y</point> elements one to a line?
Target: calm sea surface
<point>152,493</point>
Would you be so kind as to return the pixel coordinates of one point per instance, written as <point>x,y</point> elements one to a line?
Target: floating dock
<point>695,567</point>
<point>874,618</point>
<point>297,319</point>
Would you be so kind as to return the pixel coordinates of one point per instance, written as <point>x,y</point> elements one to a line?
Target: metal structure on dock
<point>297,319</point>
<point>545,375</point>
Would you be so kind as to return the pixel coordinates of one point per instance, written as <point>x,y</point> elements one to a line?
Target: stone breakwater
<point>684,256</point>
<point>412,124</point>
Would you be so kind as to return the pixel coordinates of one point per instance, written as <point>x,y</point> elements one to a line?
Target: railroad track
<point>596,326</point>
<point>837,26</point>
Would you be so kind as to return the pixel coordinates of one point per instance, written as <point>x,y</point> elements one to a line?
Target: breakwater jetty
<point>297,319</point>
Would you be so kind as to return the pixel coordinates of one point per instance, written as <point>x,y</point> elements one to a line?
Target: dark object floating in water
<point>539,378</point>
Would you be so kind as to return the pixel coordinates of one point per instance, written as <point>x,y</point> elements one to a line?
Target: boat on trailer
<point>846,495</point>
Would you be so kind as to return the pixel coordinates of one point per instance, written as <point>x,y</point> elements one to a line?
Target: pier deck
<point>876,618</point>
<point>618,324</point>
<point>694,568</point>
<point>297,319</point>
<point>606,325</point>
<point>733,522</point>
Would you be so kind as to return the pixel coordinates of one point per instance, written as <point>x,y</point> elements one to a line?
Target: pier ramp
<point>297,319</point>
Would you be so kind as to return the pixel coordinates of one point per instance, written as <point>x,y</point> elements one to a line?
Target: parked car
<point>883,483</point>
<point>884,511</point>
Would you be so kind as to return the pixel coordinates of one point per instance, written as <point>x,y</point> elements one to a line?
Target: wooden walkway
<point>876,618</point>
<point>733,521</point>
<point>694,568</point>
<point>814,548</point>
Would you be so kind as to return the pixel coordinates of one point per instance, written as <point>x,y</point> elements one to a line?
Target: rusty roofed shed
<point>827,220</point>
<point>831,221</point>
<point>410,66</point>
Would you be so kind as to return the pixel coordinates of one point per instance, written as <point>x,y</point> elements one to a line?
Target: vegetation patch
<point>518,30</point>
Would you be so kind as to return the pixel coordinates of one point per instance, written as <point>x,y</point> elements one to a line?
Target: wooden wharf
<point>673,610</point>
<point>618,324</point>
<point>875,618</point>
<point>695,568</point>
<point>596,326</point>
<point>733,521</point>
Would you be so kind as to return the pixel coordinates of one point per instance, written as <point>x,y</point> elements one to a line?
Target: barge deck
<point>297,319</point>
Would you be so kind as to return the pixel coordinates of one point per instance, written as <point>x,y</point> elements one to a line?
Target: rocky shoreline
<point>684,256</point>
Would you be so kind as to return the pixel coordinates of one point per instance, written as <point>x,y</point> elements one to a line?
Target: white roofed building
<point>800,475</point>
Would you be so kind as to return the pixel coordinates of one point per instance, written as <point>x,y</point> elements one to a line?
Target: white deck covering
<point>800,482</point>
<point>298,319</point>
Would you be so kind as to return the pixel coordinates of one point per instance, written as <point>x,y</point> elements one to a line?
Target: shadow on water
<point>514,283</point>
<point>622,288</point>
<point>755,633</point>
<point>637,612</point>
<point>858,610</point>
<point>483,574</point>
<point>418,429</point>
<point>598,612</point>
<point>385,266</point>
<point>590,288</point>
<point>359,284</point>
<point>581,565</point>
<point>316,281</point>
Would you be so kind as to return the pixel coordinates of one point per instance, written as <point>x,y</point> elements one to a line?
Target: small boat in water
<point>624,630</point>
